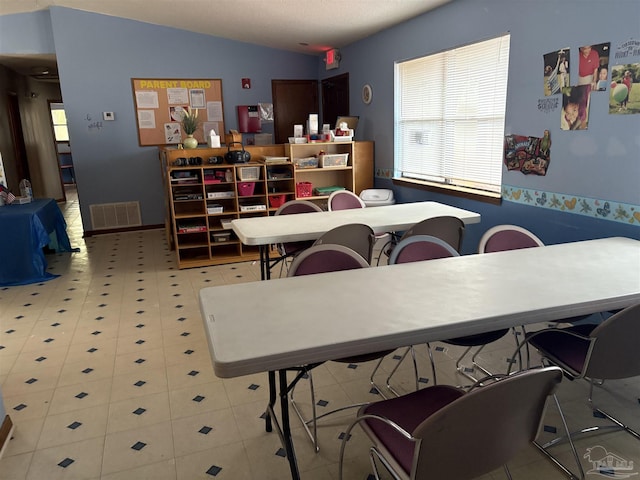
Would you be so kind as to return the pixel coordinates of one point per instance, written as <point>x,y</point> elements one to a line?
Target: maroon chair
<point>344,200</point>
<point>322,259</point>
<point>290,249</point>
<point>424,433</point>
<point>608,351</point>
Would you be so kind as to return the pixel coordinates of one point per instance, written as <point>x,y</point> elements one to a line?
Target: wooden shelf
<point>198,249</point>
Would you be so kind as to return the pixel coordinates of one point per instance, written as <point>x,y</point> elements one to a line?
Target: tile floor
<point>106,374</point>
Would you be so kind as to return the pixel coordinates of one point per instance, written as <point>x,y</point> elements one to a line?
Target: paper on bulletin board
<point>146,99</point>
<point>177,96</point>
<point>146,119</point>
<point>214,111</point>
<point>172,132</point>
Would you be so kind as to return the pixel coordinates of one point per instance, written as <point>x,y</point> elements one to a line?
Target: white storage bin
<point>248,174</point>
<point>375,197</point>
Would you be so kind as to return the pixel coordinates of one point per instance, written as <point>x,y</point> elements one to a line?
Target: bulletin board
<point>160,103</point>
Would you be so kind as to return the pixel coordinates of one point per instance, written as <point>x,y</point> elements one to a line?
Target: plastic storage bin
<point>307,162</point>
<point>334,160</point>
<point>247,174</point>
<point>304,189</point>
<point>246,188</point>
<point>276,201</point>
<point>374,197</point>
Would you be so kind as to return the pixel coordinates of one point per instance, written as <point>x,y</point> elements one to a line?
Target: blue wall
<point>98,55</point>
<point>598,165</point>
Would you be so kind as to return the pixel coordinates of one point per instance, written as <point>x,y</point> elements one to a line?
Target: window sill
<point>456,191</point>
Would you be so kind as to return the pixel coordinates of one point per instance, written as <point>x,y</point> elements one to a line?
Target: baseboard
<point>5,433</point>
<point>91,233</point>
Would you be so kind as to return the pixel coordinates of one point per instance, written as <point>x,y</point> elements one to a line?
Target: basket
<point>334,160</point>
<point>246,188</point>
<point>304,189</point>
<point>246,174</point>
<point>276,201</point>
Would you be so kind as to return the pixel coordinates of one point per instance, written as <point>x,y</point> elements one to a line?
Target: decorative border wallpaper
<point>591,207</point>
<point>604,209</point>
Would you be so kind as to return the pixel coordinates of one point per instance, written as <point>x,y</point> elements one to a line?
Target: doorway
<point>17,138</point>
<point>335,98</point>
<point>293,101</point>
<point>62,145</point>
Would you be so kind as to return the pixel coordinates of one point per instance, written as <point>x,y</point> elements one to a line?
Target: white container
<point>214,208</point>
<point>213,140</point>
<point>375,197</point>
<point>248,174</point>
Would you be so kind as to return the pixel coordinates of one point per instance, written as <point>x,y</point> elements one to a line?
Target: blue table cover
<point>24,231</point>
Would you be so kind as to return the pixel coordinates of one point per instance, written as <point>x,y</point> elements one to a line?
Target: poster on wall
<point>593,62</point>
<point>575,108</point>
<point>528,154</point>
<point>556,71</point>
<point>624,97</point>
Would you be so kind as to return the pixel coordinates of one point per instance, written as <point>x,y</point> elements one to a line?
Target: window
<point>59,121</point>
<point>449,120</point>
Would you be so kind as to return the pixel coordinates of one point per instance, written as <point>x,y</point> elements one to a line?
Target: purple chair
<point>507,237</point>
<point>608,351</point>
<point>344,200</point>
<point>424,247</point>
<point>444,432</point>
<point>322,259</point>
<point>291,249</point>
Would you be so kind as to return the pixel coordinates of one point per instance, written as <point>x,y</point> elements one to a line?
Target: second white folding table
<point>265,231</point>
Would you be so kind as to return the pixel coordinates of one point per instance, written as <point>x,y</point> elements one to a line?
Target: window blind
<point>450,109</point>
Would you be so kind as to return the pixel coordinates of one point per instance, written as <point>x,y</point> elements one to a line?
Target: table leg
<point>286,428</point>
<point>265,267</point>
<point>272,400</point>
<point>282,428</point>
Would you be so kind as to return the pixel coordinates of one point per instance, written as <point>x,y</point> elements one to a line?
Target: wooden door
<point>293,101</point>
<point>335,98</point>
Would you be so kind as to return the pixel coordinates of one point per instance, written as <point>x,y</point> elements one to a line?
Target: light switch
<point>108,116</point>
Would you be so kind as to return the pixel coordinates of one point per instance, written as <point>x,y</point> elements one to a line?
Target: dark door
<point>17,137</point>
<point>335,98</point>
<point>293,101</point>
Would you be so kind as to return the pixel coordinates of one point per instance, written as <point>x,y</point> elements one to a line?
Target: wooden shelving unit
<point>202,199</point>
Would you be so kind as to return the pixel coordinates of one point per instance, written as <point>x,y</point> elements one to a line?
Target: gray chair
<point>608,351</point>
<point>444,432</point>
<point>357,236</point>
<point>322,259</point>
<point>445,227</point>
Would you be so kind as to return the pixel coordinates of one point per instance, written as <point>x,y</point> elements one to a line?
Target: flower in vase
<point>190,121</point>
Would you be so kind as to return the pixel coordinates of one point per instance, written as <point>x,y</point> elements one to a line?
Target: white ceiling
<point>306,26</point>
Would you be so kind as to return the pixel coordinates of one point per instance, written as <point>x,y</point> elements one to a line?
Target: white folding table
<point>265,231</point>
<point>278,325</point>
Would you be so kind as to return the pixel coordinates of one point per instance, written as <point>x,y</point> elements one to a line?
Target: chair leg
<point>595,408</point>
<point>311,425</point>
<point>313,435</point>
<point>545,448</point>
<point>415,369</point>
<point>475,365</point>
<point>618,425</point>
<point>507,472</point>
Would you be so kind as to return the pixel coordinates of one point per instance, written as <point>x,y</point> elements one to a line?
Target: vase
<point>190,142</point>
